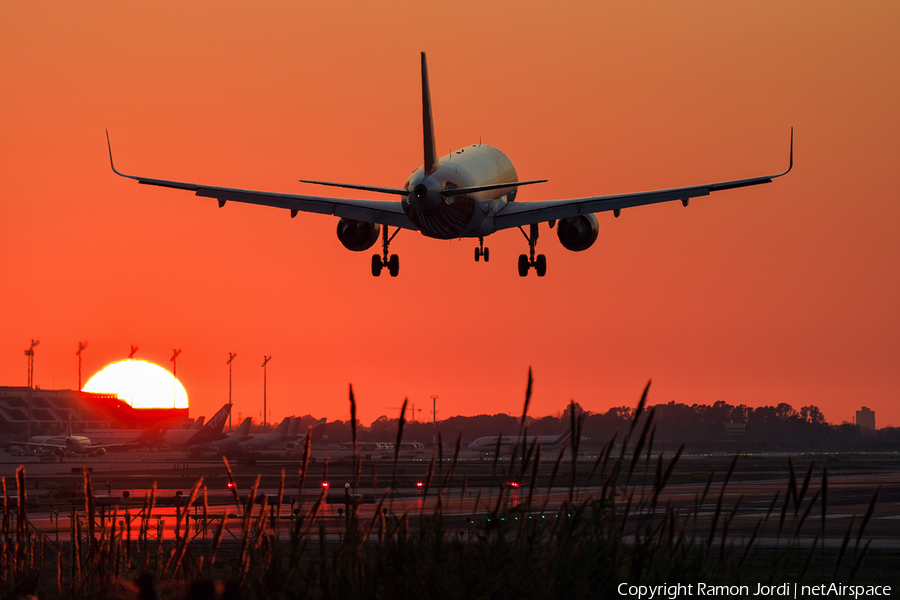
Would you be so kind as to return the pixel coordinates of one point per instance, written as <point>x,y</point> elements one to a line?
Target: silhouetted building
<point>735,428</point>
<point>47,412</point>
<point>865,418</point>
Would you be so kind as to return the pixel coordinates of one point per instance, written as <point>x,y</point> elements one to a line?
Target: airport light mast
<point>266,359</point>
<point>174,360</point>
<point>30,354</point>
<point>231,356</point>
<point>134,350</point>
<point>434,417</point>
<point>81,347</point>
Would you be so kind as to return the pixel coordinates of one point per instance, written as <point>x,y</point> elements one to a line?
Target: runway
<point>56,494</point>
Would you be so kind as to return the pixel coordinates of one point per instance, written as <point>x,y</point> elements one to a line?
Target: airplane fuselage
<point>466,215</point>
<point>76,444</point>
<point>508,441</point>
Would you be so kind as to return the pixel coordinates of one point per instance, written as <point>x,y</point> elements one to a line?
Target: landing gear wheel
<point>523,265</point>
<point>540,265</point>
<point>482,251</point>
<point>376,265</point>
<point>382,261</point>
<point>394,265</point>
<point>526,261</point>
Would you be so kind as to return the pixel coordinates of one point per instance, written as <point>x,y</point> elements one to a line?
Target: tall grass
<point>614,523</point>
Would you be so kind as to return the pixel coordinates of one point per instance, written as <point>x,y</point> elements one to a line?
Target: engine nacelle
<point>578,233</point>
<point>357,235</point>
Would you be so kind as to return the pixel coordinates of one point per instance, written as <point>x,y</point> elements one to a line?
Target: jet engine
<point>578,233</point>
<point>357,235</point>
<point>98,451</point>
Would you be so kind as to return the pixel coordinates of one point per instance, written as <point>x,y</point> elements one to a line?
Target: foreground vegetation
<point>611,527</point>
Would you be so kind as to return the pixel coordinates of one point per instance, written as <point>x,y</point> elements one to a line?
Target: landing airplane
<point>507,441</point>
<point>468,193</point>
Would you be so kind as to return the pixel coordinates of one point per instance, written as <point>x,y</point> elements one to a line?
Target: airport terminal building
<point>25,411</point>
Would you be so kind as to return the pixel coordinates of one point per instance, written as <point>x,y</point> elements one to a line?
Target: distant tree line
<point>701,427</point>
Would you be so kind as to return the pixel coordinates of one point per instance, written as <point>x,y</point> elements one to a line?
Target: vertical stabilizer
<point>318,431</point>
<point>212,430</point>
<point>282,429</point>
<point>243,429</point>
<point>427,123</point>
<point>566,436</point>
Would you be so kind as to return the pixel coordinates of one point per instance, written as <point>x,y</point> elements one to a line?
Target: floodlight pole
<point>434,417</point>
<point>266,359</point>
<point>231,356</point>
<point>134,350</point>
<point>81,347</point>
<point>30,354</point>
<point>174,360</point>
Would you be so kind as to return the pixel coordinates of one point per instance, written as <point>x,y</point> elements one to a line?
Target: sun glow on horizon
<point>140,383</point>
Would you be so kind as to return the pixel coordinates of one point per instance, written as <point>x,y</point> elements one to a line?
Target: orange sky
<point>786,292</point>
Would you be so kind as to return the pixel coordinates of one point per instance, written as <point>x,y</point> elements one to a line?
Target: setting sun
<point>140,383</point>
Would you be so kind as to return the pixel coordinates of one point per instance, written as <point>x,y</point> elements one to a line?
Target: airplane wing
<point>516,214</point>
<point>39,445</point>
<point>371,211</point>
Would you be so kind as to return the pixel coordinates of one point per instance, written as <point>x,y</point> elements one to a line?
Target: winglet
<point>427,122</point>
<point>791,164</point>
<point>791,159</point>
<point>109,146</point>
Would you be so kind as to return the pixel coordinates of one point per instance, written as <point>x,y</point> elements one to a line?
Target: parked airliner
<point>277,438</point>
<point>208,433</point>
<point>236,437</point>
<point>490,442</point>
<point>83,445</point>
<point>469,193</point>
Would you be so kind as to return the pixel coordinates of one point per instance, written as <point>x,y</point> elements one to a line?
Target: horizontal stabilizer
<point>484,188</point>
<point>367,188</point>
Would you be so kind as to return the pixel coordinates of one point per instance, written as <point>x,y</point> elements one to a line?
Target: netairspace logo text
<point>785,590</point>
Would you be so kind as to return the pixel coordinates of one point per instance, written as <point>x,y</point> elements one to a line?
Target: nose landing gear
<point>380,262</point>
<point>526,262</point>
<point>482,251</point>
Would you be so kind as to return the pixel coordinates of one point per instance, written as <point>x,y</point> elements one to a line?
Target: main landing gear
<point>526,262</point>
<point>482,251</point>
<point>392,263</point>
